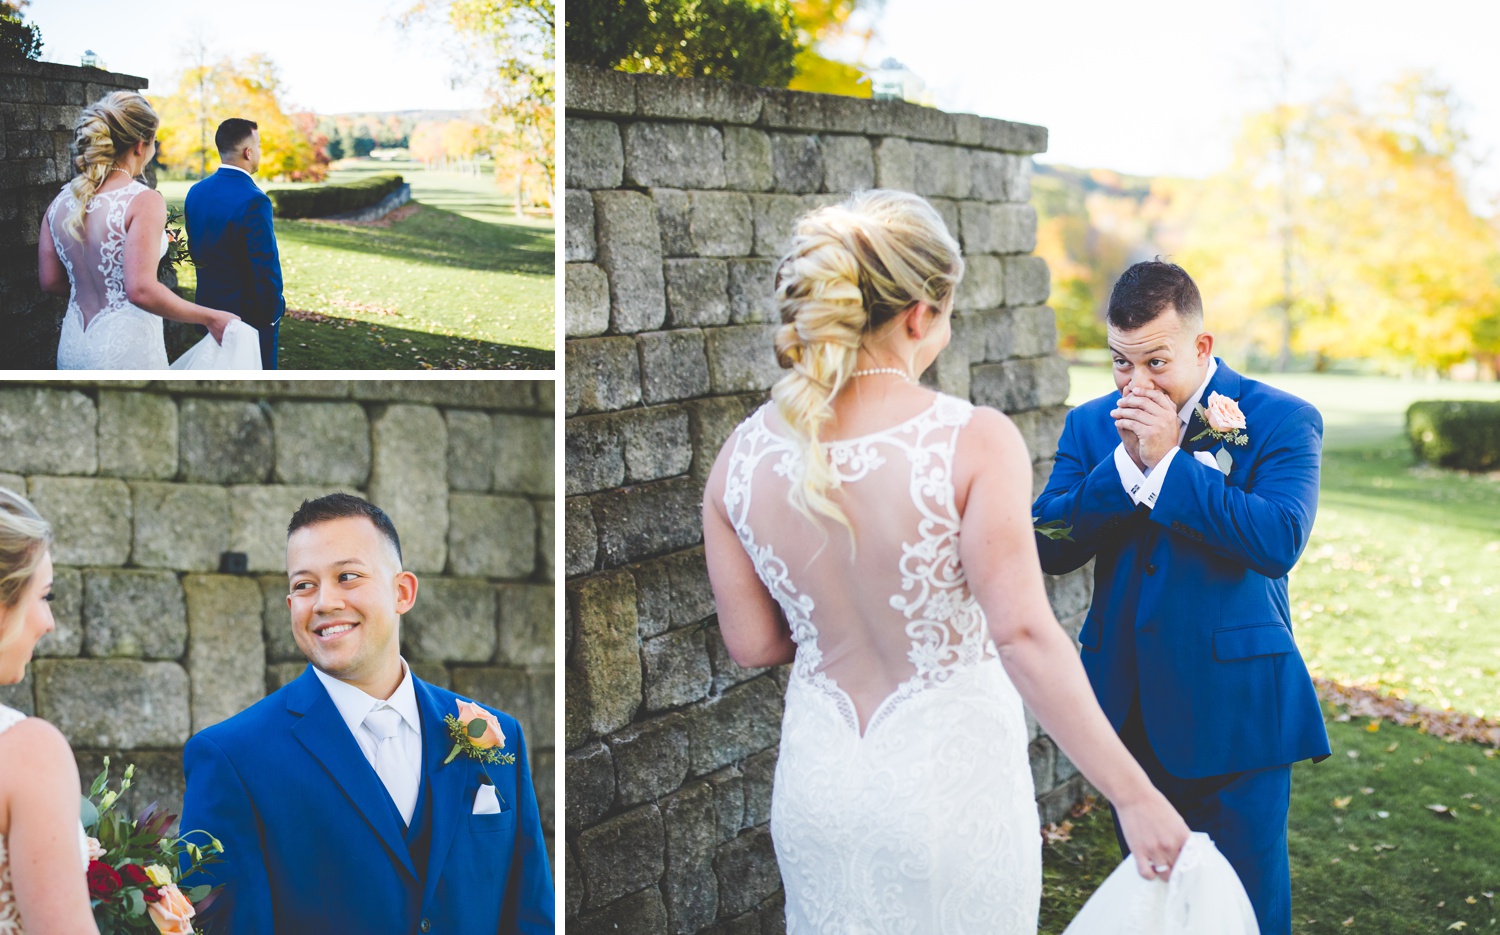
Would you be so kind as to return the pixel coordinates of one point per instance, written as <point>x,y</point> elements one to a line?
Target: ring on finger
<point>1161,868</point>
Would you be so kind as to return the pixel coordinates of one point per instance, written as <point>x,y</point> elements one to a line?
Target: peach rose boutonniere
<point>476,732</point>
<point>1225,421</point>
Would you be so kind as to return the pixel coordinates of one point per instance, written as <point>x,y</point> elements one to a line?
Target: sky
<point>1160,87</point>
<point>335,56</point>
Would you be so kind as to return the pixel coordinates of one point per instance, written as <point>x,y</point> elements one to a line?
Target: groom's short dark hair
<point>233,133</point>
<point>1149,288</point>
<point>341,506</point>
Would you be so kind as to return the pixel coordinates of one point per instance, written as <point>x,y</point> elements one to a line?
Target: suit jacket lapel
<point>1226,383</point>
<point>321,729</point>
<point>447,782</point>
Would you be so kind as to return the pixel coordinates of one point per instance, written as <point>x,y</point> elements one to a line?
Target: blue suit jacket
<point>1190,606</point>
<point>314,844</point>
<point>233,243</point>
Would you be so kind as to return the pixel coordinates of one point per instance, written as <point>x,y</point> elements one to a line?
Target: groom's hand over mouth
<point>1148,415</point>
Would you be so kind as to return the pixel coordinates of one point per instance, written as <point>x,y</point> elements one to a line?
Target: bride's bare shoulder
<point>990,430</point>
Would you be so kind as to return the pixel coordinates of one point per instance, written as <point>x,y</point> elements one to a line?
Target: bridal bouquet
<point>134,866</point>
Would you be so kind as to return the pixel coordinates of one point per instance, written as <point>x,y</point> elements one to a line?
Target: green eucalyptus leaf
<point>198,892</point>
<point>89,814</point>
<point>477,727</point>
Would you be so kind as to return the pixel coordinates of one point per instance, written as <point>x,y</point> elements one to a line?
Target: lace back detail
<point>95,263</point>
<point>889,615</point>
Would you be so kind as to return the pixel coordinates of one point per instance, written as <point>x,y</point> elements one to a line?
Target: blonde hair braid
<point>106,128</point>
<point>851,269</point>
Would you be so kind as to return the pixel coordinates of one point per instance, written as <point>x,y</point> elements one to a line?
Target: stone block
<point>321,443</point>
<point>135,614</point>
<point>677,669</point>
<point>720,223</point>
<point>989,171</point>
<point>47,431</point>
<point>453,620</point>
<point>258,519</point>
<point>122,703</point>
<point>580,539</point>
<point>408,480</point>
<point>647,520</point>
<point>622,855</point>
<point>1040,471</point>
<point>276,620</point>
<point>690,887</point>
<point>464,394</point>
<point>747,160</point>
<point>1042,754</point>
<point>1041,429</point>
<point>673,221</point>
<point>650,759</point>
<point>137,434</point>
<point>1006,136</point>
<point>90,518</point>
<point>728,785</point>
<point>226,655</point>
<point>752,291</point>
<point>704,99</point>
<point>983,285</point>
<point>726,672</point>
<point>590,777</point>
<point>490,536</point>
<point>713,421</point>
<point>523,462</point>
<point>281,674</point>
<point>1023,332</point>
<point>759,772</point>
<point>1071,594</point>
<point>606,654</point>
<point>899,118</point>
<point>595,453</point>
<point>585,300</point>
<point>942,171</point>
<point>674,365</point>
<point>848,164</point>
<point>746,868</point>
<point>471,449</point>
<point>180,526</point>
<point>673,155</point>
<point>595,155</point>
<point>224,441</point>
<point>773,217</point>
<point>797,161</point>
<point>743,721</point>
<point>742,358</point>
<point>599,91</point>
<point>947,209</point>
<point>157,778</point>
<point>578,227</point>
<point>640,913</point>
<point>949,373</point>
<point>1021,384</point>
<point>526,627</point>
<point>630,253</point>
<point>434,673</point>
<point>19,695</point>
<point>1027,281</point>
<point>895,164</point>
<point>697,292</point>
<point>605,373</point>
<point>66,638</point>
<point>656,443</point>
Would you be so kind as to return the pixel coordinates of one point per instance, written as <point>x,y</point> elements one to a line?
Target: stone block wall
<point>38,103</point>
<point>680,197</point>
<point>147,484</point>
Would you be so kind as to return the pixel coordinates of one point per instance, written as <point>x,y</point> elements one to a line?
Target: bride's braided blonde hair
<point>852,268</point>
<point>24,540</point>
<point>105,129</point>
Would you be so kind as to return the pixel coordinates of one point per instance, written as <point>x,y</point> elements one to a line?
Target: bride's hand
<point>219,323</point>
<point>1154,832</point>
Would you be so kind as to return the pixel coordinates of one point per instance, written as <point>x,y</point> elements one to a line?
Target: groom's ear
<point>1205,347</point>
<point>406,591</point>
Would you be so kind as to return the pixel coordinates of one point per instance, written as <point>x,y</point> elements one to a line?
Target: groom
<point>232,239</point>
<point>332,797</point>
<point>1193,527</point>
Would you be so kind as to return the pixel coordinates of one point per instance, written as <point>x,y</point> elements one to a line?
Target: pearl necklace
<point>872,371</point>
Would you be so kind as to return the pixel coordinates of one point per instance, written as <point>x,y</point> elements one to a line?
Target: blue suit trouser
<point>1245,814</point>
<point>268,344</point>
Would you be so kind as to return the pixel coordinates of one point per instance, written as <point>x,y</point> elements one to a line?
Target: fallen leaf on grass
<point>1441,810</point>
<point>1343,801</point>
<point>1349,921</point>
<point>1362,702</point>
<point>1384,847</point>
<point>1458,926</point>
<point>1057,834</point>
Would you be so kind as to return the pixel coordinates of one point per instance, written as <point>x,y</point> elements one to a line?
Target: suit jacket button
<point>1150,569</point>
<point>426,925</point>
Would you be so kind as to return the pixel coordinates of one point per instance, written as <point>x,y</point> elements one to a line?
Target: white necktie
<point>390,760</point>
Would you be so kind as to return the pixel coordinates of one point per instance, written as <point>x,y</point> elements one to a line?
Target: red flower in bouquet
<point>135,875</point>
<point>104,882</point>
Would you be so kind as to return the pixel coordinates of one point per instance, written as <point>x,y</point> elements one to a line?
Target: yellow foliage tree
<point>819,24</point>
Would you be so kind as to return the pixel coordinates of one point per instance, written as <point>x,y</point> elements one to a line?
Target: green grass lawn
<point>1395,592</point>
<point>459,284</point>
<point>1365,845</point>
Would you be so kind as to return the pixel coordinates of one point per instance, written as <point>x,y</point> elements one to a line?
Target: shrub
<point>319,201</point>
<point>19,41</point>
<point>1463,434</point>
<point>750,41</point>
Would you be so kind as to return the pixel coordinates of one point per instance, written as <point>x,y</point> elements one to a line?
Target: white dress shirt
<point>225,165</point>
<point>1146,487</point>
<point>354,705</point>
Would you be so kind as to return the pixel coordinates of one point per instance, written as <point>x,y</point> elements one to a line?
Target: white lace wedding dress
<point>10,916</point>
<point>903,799</point>
<point>102,329</point>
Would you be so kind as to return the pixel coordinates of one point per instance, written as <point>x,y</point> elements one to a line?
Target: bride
<point>101,240</point>
<point>878,536</point>
<point>43,851</point>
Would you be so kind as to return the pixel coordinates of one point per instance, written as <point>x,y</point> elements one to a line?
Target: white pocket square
<point>1210,460</point>
<point>485,801</point>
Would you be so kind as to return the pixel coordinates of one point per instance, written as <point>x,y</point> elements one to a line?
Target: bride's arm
<point>46,867</point>
<point>750,620</point>
<point>146,219</point>
<point>999,554</point>
<point>51,273</point>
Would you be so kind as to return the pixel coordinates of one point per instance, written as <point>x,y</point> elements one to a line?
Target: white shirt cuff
<point>1143,487</point>
<point>1131,477</point>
